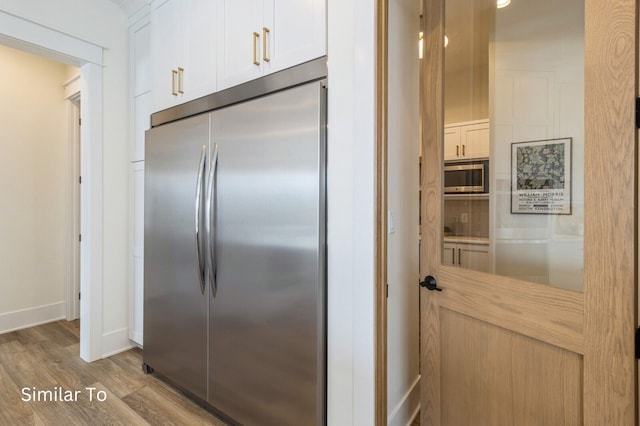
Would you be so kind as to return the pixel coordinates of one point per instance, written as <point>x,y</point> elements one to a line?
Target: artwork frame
<point>541,174</point>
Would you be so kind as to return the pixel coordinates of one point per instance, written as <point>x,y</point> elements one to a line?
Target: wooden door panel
<point>499,350</point>
<point>549,314</point>
<point>492,376</point>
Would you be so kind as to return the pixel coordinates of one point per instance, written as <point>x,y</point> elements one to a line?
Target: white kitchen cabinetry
<point>466,141</point>
<point>137,261</point>
<point>259,37</point>
<point>467,255</point>
<point>140,98</point>
<point>183,47</point>
<point>240,33</point>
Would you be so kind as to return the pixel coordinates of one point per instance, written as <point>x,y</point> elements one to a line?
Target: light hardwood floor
<point>47,356</point>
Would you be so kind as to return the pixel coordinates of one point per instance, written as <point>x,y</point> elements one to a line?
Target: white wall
<point>102,23</point>
<point>538,89</point>
<point>34,207</point>
<point>403,387</point>
<point>350,212</point>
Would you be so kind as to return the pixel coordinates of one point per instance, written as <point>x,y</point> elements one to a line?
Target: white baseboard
<point>405,411</point>
<point>136,338</point>
<point>115,342</point>
<point>30,317</point>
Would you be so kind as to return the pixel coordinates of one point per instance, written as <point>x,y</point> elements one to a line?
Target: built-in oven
<point>469,177</point>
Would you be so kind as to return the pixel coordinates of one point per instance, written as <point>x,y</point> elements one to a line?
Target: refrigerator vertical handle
<point>211,219</point>
<point>199,194</point>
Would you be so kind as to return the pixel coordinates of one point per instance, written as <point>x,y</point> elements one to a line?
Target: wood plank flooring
<point>47,358</point>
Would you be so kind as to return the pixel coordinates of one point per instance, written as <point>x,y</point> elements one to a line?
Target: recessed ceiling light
<point>503,3</point>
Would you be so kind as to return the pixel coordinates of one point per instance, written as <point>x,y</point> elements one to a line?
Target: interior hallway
<point>46,356</point>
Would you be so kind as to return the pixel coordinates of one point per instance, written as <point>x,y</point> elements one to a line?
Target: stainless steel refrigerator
<point>234,302</point>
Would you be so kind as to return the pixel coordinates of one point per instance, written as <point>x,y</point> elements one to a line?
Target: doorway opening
<point>36,157</point>
<point>46,42</point>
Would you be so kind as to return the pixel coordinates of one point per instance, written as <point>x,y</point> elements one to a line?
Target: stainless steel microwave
<point>469,177</point>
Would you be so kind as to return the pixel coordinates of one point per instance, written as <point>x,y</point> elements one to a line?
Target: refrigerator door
<point>267,344</point>
<point>175,295</point>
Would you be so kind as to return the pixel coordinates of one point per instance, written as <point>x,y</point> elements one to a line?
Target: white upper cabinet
<point>259,37</point>
<point>200,77</point>
<point>201,46</point>
<point>183,47</point>
<point>466,141</point>
<point>297,32</point>
<point>167,41</point>
<point>140,36</point>
<point>240,37</point>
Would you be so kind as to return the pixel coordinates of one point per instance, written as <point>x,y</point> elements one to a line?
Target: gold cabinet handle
<point>256,36</point>
<point>174,75</point>
<point>265,32</point>
<point>457,150</point>
<point>463,154</point>
<point>180,79</point>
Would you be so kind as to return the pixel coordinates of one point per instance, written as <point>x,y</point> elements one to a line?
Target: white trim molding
<point>116,342</point>
<point>72,87</point>
<point>73,201</point>
<point>91,221</point>
<point>44,41</point>
<point>406,410</point>
<point>25,318</point>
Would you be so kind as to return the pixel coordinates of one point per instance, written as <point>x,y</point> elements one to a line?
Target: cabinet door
<point>167,40</point>
<point>296,32</point>
<point>140,39</point>
<point>452,143</point>
<point>475,140</point>
<point>449,254</point>
<point>474,256</point>
<point>137,291</point>
<point>200,68</point>
<point>141,123</point>
<point>239,41</point>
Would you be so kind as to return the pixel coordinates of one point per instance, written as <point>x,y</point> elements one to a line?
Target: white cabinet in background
<point>137,290</point>
<point>183,50</point>
<point>466,255</point>
<point>466,141</point>
<point>140,101</point>
<point>259,37</point>
<point>240,34</point>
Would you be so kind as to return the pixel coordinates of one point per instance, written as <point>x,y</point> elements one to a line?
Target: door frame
<point>611,253</point>
<point>381,258</point>
<point>72,95</point>
<point>606,27</point>
<point>40,40</point>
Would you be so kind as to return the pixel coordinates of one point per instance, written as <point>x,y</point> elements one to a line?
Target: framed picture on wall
<point>541,177</point>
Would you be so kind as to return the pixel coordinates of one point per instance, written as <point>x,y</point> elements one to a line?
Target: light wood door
<point>499,350</point>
